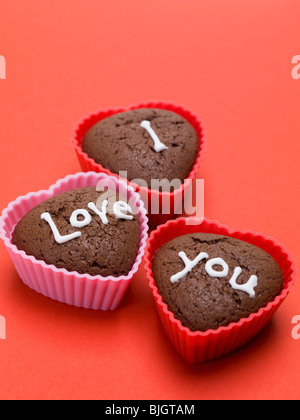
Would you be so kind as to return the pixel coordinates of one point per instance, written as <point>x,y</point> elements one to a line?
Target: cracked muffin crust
<point>120,143</point>
<point>229,281</point>
<point>106,247</point>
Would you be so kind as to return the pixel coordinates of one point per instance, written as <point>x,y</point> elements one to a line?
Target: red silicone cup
<point>81,290</point>
<point>152,199</point>
<point>199,347</point>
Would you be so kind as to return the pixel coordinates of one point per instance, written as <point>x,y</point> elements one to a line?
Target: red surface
<point>231,63</point>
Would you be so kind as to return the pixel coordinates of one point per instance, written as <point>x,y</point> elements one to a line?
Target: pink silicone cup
<point>91,292</point>
<point>199,347</point>
<point>147,195</point>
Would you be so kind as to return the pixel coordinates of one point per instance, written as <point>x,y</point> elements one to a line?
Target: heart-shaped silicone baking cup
<point>161,213</point>
<point>199,347</point>
<point>91,292</point>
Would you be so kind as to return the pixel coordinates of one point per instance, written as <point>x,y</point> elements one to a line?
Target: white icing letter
<point>189,265</point>
<point>121,206</point>
<point>158,145</point>
<point>80,224</point>
<point>247,287</point>
<point>58,237</point>
<point>213,273</point>
<point>102,213</point>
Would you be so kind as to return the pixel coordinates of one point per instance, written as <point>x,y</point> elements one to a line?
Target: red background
<point>228,61</point>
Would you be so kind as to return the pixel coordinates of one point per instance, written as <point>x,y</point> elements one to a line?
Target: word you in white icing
<point>190,265</point>
<point>158,145</point>
<point>120,210</point>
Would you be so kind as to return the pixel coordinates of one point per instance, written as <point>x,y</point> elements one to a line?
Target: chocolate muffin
<point>209,281</point>
<point>82,230</point>
<point>148,144</point>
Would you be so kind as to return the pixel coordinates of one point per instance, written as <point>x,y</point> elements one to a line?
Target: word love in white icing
<point>158,145</point>
<point>190,265</point>
<point>119,209</point>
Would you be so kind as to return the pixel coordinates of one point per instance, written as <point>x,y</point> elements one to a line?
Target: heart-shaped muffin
<point>152,145</point>
<point>209,281</point>
<point>80,242</point>
<point>157,147</point>
<point>215,288</point>
<point>82,230</point>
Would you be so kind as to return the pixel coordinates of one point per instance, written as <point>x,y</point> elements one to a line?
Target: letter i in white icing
<point>189,265</point>
<point>158,145</point>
